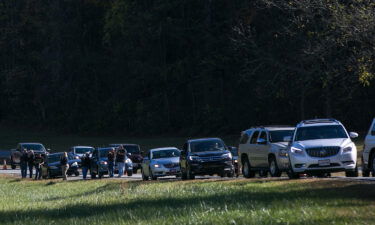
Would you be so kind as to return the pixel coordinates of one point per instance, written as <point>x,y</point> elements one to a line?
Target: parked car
<point>79,151</point>
<point>161,162</point>
<point>368,155</point>
<point>263,149</point>
<point>205,156</point>
<point>135,154</point>
<point>16,153</point>
<point>322,146</point>
<point>236,165</point>
<point>52,167</point>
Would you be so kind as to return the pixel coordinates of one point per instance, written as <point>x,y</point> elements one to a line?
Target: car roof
<point>80,146</point>
<point>124,144</point>
<point>318,122</point>
<point>204,139</point>
<point>162,149</point>
<point>105,148</point>
<point>271,128</point>
<point>30,143</point>
<point>56,153</point>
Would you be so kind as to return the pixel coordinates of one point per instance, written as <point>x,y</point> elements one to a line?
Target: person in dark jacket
<point>23,163</point>
<point>64,165</point>
<point>38,162</point>
<point>120,160</point>
<point>111,162</point>
<point>30,162</point>
<point>86,163</point>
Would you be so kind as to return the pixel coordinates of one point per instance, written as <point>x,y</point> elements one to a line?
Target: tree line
<point>190,67</point>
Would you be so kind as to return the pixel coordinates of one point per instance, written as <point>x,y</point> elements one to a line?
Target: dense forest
<point>188,67</point>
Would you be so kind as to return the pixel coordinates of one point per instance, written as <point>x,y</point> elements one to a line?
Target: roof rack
<point>269,126</point>
<point>313,121</point>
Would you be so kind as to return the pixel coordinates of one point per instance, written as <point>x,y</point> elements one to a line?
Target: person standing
<point>86,163</point>
<point>23,163</point>
<point>111,162</point>
<point>64,165</point>
<point>38,162</point>
<point>30,162</point>
<point>120,160</point>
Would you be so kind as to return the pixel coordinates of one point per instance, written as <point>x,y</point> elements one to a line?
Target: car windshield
<point>157,154</point>
<point>207,145</point>
<point>320,132</point>
<point>279,135</point>
<point>133,149</point>
<point>83,150</point>
<point>103,152</point>
<point>35,147</point>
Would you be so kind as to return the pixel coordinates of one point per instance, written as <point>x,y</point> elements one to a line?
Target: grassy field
<point>256,201</point>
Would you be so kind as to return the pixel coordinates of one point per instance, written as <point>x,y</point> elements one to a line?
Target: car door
<point>369,142</point>
<point>251,148</point>
<point>262,149</point>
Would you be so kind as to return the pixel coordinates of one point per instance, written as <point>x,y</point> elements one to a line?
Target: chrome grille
<point>323,151</point>
<point>210,158</point>
<point>171,165</point>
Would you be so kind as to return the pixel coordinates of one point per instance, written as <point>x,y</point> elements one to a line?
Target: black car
<point>52,167</point>
<point>206,156</point>
<point>99,162</point>
<point>135,154</point>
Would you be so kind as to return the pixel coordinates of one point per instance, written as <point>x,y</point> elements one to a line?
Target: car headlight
<point>236,161</point>
<point>296,150</point>
<point>103,162</point>
<point>74,164</point>
<point>193,158</point>
<point>156,165</point>
<point>227,156</point>
<point>283,153</point>
<point>347,149</point>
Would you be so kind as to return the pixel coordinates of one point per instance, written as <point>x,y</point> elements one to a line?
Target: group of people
<point>28,161</point>
<point>113,156</point>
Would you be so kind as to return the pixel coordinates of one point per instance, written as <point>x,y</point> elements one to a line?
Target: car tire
<point>372,167</point>
<point>292,174</point>
<point>93,176</point>
<point>76,173</point>
<point>189,174</point>
<point>352,173</point>
<point>13,166</point>
<point>152,175</point>
<point>231,174</point>
<point>144,177</point>
<point>246,169</point>
<point>274,168</point>
<point>365,171</point>
<point>135,170</point>
<point>129,173</point>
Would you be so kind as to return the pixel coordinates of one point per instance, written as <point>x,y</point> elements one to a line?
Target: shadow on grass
<point>144,209</point>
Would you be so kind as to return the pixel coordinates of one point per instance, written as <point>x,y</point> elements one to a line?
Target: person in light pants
<point>64,165</point>
<point>120,160</point>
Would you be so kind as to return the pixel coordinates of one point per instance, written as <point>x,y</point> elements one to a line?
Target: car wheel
<point>189,174</point>
<point>152,175</point>
<point>274,168</point>
<point>352,173</point>
<point>135,170</point>
<point>13,166</point>
<point>76,173</point>
<point>365,171</point>
<point>231,174</point>
<point>246,170</point>
<point>372,168</point>
<point>144,177</point>
<point>292,174</point>
<point>93,176</point>
<point>130,173</point>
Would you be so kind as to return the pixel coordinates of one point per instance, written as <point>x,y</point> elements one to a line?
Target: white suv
<point>263,149</point>
<point>368,155</point>
<point>321,146</point>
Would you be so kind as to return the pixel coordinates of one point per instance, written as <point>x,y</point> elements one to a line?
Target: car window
<point>279,135</point>
<point>320,132</point>
<point>207,145</point>
<point>165,154</point>
<point>244,138</point>
<point>254,137</point>
<point>263,135</point>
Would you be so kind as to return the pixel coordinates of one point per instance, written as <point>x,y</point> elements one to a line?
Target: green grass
<point>256,201</point>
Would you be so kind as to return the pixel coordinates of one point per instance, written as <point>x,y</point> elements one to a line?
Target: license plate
<point>173,171</point>
<point>324,162</point>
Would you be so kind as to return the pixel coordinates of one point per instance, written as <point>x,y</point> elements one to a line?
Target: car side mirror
<point>261,141</point>
<point>288,139</point>
<point>353,134</point>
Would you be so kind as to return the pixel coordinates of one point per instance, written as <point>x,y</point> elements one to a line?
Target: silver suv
<point>368,155</point>
<point>263,149</point>
<point>321,146</point>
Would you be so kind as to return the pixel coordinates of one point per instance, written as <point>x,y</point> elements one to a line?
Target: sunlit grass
<point>257,201</point>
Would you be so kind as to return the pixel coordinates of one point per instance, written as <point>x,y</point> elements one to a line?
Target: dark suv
<point>206,156</point>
